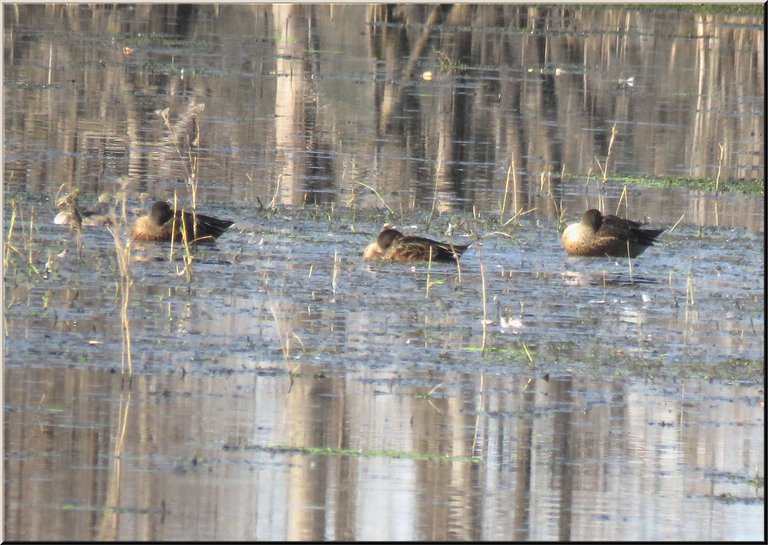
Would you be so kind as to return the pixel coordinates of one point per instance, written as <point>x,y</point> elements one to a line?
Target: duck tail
<point>648,236</point>
<point>215,226</point>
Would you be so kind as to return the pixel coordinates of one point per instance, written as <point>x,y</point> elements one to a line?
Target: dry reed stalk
<point>600,198</point>
<point>283,337</point>
<point>719,168</point>
<point>285,341</point>
<point>434,203</point>
<point>514,186</point>
<point>378,195</point>
<point>558,204</point>
<point>517,215</point>
<point>458,269</point>
<point>191,162</point>
<point>30,240</point>
<point>9,247</point>
<point>429,271</point>
<point>604,167</point>
<point>122,424</point>
<point>481,410</point>
<point>335,270</point>
<point>187,257</point>
<point>560,210</point>
<point>528,383</point>
<point>277,191</point>
<point>352,199</point>
<point>485,302</point>
<point>528,354</point>
<point>123,252</point>
<point>506,192</point>
<point>173,227</point>
<point>623,197</point>
<point>677,223</point>
<point>690,302</point>
<point>689,299</point>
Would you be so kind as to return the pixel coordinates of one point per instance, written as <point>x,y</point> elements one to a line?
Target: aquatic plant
<point>510,175</point>
<point>277,191</point>
<point>720,162</point>
<point>604,167</point>
<point>187,258</point>
<point>484,299</point>
<point>189,157</point>
<point>9,247</point>
<point>740,186</point>
<point>335,274</point>
<point>188,152</point>
<point>22,244</point>
<point>125,282</point>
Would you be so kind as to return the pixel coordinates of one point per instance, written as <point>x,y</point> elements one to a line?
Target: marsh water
<point>280,387</point>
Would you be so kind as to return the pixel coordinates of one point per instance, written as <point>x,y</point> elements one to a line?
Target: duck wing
<point>419,246</point>
<point>207,226</point>
<point>627,230</point>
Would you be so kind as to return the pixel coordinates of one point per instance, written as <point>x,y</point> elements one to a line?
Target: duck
<point>392,245</point>
<point>163,224</point>
<point>70,212</point>
<point>598,235</point>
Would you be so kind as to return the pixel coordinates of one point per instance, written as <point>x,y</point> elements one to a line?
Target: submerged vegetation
<point>742,187</point>
<point>753,9</point>
<point>384,453</point>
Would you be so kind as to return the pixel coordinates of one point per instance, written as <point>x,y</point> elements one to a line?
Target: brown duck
<point>392,245</point>
<point>160,225</point>
<point>597,235</point>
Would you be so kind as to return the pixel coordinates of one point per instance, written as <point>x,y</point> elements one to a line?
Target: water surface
<point>286,389</point>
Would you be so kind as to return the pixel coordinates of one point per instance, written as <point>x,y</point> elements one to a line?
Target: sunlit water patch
<point>487,455</point>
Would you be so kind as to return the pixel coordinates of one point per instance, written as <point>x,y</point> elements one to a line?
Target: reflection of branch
<point>283,337</point>
<point>284,334</point>
<point>108,530</point>
<point>423,39</point>
<point>480,408</point>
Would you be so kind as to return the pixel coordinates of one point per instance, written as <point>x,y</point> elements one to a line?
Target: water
<point>285,389</point>
<point>558,458</point>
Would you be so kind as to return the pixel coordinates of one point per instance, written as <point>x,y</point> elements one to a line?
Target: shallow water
<point>287,389</point>
<point>563,458</point>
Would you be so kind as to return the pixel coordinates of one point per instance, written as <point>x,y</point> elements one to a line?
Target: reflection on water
<point>602,398</point>
<point>173,457</point>
<point>298,111</point>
